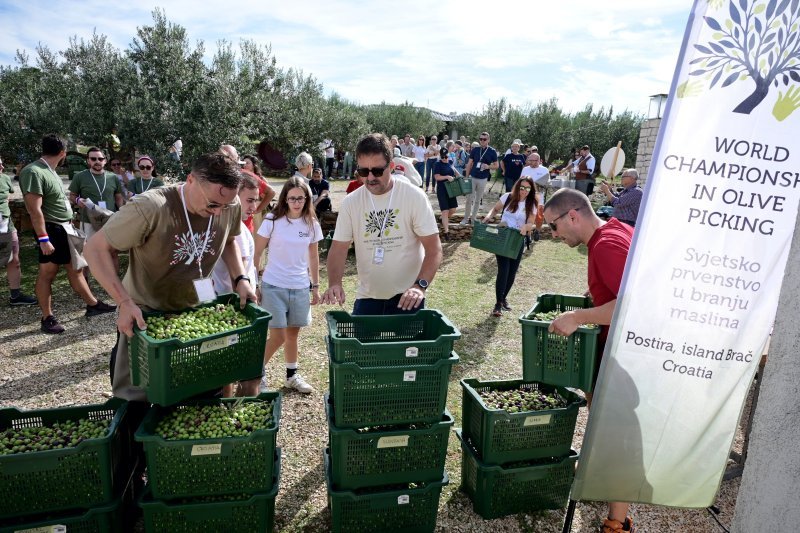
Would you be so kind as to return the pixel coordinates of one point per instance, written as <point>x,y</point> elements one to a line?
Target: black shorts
<point>445,201</point>
<point>58,238</point>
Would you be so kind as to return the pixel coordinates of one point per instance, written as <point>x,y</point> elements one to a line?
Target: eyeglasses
<point>214,205</point>
<point>97,159</point>
<point>295,199</point>
<point>376,171</point>
<point>141,167</point>
<point>552,223</point>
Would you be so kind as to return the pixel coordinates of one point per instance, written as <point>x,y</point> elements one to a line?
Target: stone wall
<point>647,143</point>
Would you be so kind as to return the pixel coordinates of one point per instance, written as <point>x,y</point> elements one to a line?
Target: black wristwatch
<point>240,278</point>
<point>422,283</point>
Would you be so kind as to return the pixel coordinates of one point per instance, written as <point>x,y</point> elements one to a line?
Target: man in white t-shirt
<point>541,177</point>
<point>249,198</point>
<point>396,238</point>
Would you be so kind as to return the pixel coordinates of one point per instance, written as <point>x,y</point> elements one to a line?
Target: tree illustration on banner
<point>759,42</point>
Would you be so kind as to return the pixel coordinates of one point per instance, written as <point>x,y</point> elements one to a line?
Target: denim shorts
<point>290,308</point>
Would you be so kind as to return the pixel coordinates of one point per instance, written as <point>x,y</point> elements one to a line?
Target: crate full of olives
<point>180,355</point>
<point>219,446</point>
<point>58,459</point>
<point>515,420</point>
<point>554,359</point>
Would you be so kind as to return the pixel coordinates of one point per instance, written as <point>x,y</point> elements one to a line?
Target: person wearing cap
<point>482,160</point>
<point>626,202</point>
<point>146,179</point>
<point>511,165</point>
<point>443,172</point>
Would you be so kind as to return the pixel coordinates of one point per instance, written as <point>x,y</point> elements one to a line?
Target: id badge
<point>377,255</point>
<point>102,205</point>
<point>204,288</point>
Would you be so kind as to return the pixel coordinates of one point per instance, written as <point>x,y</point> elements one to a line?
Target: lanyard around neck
<point>150,183</point>
<point>193,244</point>
<point>105,182</point>
<point>386,213</point>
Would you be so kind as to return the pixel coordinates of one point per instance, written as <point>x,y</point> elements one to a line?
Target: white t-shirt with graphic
<point>222,278</point>
<point>410,216</point>
<point>287,257</point>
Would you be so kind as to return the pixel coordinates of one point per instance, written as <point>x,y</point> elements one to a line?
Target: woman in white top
<point>419,156</point>
<point>518,211</point>
<point>291,233</point>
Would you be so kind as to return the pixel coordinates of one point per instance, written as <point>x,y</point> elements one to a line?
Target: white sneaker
<point>299,384</point>
<point>464,221</point>
<point>262,387</point>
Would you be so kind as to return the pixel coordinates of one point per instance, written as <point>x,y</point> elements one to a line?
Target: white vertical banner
<point>701,283</point>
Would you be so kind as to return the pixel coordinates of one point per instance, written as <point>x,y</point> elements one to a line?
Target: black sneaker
<point>23,299</point>
<point>505,306</point>
<point>51,325</point>
<point>536,235</point>
<point>99,308</point>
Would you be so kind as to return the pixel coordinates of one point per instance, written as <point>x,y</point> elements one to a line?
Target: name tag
<point>204,288</point>
<point>377,255</point>
<point>102,205</point>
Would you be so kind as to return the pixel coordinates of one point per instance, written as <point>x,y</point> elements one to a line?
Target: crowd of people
<point>191,241</point>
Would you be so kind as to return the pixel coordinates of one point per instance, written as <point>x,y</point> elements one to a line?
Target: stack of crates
<point>387,423</point>
<point>85,487</point>
<point>220,483</point>
<point>521,461</point>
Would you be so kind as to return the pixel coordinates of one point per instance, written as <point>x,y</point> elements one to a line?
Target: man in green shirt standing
<point>96,184</point>
<point>9,243</point>
<point>51,216</point>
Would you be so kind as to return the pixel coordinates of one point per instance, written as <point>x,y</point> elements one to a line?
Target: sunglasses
<point>296,199</point>
<point>524,188</point>
<point>552,223</point>
<point>114,164</point>
<point>145,167</point>
<point>376,171</point>
<point>483,139</point>
<point>214,205</point>
<point>97,159</point>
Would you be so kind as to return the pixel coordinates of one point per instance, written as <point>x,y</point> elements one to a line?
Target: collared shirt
<point>626,203</point>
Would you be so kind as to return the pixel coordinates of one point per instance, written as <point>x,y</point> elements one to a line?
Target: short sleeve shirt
<point>444,169</point>
<point>317,188</point>
<point>408,215</point>
<point>480,155</point>
<point>96,188</point>
<point>287,256</point>
<point>515,219</point>
<point>163,252</point>
<point>139,185</point>
<point>38,179</point>
<point>513,164</point>
<point>6,189</point>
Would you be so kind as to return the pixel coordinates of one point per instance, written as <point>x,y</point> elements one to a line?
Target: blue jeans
<point>429,171</point>
<point>374,306</point>
<point>420,166</point>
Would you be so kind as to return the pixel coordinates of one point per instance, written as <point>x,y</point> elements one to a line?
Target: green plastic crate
<point>393,340</point>
<point>496,491</point>
<point>199,467</point>
<point>395,510</point>
<point>396,455</point>
<point>555,359</point>
<point>496,240</point>
<point>500,437</point>
<point>70,478</point>
<point>171,370</point>
<point>377,396</point>
<point>256,513</point>
<point>458,187</point>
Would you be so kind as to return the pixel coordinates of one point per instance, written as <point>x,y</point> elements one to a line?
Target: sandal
<point>615,526</point>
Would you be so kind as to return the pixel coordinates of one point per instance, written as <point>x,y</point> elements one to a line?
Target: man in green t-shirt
<point>96,184</point>
<point>51,217</point>
<point>9,243</point>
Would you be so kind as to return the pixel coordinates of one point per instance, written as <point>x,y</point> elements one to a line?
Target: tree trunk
<point>757,96</point>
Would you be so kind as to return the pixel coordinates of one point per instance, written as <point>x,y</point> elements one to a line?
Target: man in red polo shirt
<point>572,219</point>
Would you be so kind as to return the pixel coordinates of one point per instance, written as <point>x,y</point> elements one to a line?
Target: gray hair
<point>303,159</point>
<point>631,172</point>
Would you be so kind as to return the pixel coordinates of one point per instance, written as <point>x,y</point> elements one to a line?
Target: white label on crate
<point>397,441</point>
<point>216,344</point>
<point>412,351</point>
<point>207,449</point>
<point>492,229</point>
<point>410,375</point>
<point>539,420</point>
<point>402,500</point>
<point>46,529</point>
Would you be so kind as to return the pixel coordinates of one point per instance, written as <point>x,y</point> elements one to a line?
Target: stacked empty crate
<point>521,461</point>
<point>81,484</point>
<point>223,478</point>
<point>388,426</point>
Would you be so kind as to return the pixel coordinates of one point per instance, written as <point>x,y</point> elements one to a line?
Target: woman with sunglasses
<point>518,210</point>
<point>419,156</point>
<point>146,179</point>
<point>290,233</point>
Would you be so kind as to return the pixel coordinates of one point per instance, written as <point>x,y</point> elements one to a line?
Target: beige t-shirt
<point>360,219</point>
<point>162,261</point>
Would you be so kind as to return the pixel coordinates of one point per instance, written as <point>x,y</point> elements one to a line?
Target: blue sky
<point>449,56</point>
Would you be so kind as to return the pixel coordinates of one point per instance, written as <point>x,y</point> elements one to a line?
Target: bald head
<point>230,152</point>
